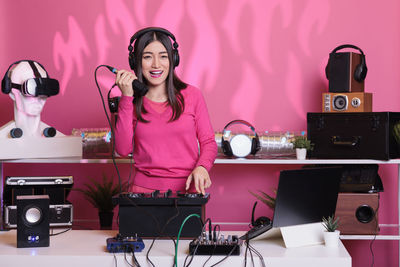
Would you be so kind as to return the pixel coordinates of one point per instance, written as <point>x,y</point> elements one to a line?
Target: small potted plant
<point>100,194</point>
<point>331,235</point>
<point>302,145</point>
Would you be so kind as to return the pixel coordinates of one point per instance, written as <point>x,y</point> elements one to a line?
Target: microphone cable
<point>376,231</point>
<point>109,122</point>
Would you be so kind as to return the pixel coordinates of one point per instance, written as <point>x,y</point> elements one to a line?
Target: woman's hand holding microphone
<point>124,81</point>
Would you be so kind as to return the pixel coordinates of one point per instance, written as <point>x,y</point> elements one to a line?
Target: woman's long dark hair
<point>173,83</point>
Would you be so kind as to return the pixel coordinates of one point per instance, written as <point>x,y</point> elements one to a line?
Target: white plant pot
<point>301,153</point>
<point>331,239</point>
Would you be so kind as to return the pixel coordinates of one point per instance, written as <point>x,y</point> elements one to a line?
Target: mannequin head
<point>26,105</point>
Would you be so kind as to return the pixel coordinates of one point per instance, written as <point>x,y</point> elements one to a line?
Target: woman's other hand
<point>201,179</point>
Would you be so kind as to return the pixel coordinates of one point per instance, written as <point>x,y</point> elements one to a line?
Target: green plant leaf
<point>264,198</point>
<point>396,132</point>
<point>99,194</point>
<point>330,223</point>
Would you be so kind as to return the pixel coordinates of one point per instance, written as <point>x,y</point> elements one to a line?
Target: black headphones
<point>137,35</point>
<point>255,142</point>
<point>260,220</point>
<point>6,84</point>
<point>361,69</point>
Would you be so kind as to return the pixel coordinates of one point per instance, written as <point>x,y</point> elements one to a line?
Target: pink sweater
<point>165,152</point>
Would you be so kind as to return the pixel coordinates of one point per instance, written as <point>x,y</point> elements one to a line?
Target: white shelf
<point>306,161</point>
<point>217,161</point>
<point>369,237</point>
<point>387,232</point>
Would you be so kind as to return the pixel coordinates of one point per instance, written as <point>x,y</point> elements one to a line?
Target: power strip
<point>126,244</point>
<point>229,246</point>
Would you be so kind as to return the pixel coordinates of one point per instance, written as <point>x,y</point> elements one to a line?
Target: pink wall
<point>262,61</point>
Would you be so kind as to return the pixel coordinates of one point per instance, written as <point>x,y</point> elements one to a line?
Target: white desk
<point>88,248</point>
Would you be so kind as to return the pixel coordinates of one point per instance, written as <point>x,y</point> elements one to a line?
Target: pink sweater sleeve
<point>205,134</point>
<point>124,126</point>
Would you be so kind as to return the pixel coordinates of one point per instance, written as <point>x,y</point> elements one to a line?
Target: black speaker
<point>33,221</point>
<point>346,71</point>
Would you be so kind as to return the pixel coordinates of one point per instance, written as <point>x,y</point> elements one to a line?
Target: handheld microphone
<point>139,88</point>
<point>112,69</point>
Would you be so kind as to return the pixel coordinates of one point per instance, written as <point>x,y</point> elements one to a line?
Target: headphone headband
<point>140,33</point>
<point>240,122</point>
<point>347,46</point>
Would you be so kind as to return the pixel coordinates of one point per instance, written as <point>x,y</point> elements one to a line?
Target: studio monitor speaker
<point>33,221</point>
<point>342,72</point>
<point>357,213</point>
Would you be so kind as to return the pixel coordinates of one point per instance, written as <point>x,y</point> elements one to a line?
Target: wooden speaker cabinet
<point>341,72</point>
<point>357,213</point>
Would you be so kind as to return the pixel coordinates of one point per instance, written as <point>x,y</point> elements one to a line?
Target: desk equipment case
<point>357,135</point>
<point>150,216</point>
<point>56,187</point>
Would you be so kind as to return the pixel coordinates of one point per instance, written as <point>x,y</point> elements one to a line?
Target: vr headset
<point>37,86</point>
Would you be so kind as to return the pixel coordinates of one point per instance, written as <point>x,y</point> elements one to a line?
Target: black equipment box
<point>151,215</point>
<point>59,215</point>
<point>57,187</point>
<point>356,135</point>
<point>229,246</point>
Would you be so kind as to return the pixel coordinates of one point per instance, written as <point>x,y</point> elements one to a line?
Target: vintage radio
<point>357,135</point>
<point>347,102</point>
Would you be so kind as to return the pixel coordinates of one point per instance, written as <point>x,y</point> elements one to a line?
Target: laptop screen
<point>306,195</point>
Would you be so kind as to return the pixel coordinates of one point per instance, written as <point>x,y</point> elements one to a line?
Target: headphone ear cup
<point>226,148</point>
<point>327,70</point>
<point>132,61</point>
<point>261,221</point>
<point>175,58</point>
<point>255,145</point>
<point>361,70</point>
<point>357,73</point>
<point>6,84</point>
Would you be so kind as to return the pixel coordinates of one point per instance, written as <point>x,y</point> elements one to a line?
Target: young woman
<point>167,128</point>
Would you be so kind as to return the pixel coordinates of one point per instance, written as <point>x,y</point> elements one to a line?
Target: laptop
<point>304,197</point>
